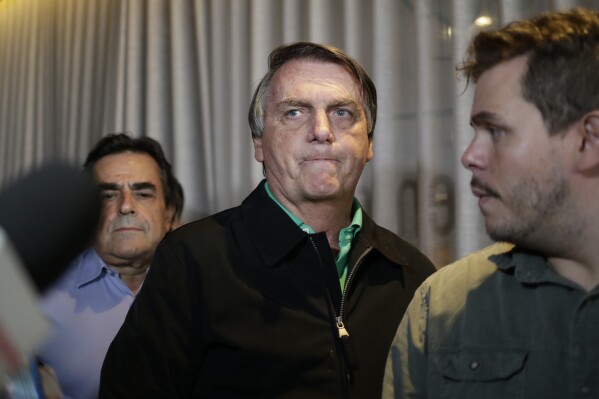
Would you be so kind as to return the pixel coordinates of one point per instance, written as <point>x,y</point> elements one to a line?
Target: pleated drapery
<point>183,72</point>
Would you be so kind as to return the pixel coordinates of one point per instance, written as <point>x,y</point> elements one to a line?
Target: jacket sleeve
<point>153,354</point>
<point>406,369</point>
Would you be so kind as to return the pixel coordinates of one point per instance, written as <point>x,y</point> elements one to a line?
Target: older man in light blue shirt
<point>87,306</point>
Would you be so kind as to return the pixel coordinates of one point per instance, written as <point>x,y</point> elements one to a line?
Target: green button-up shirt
<point>500,323</point>
<point>346,235</point>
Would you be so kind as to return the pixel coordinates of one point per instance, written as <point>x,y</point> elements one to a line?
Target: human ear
<point>169,218</point>
<point>258,155</point>
<point>591,123</point>
<point>370,151</point>
<point>589,147</point>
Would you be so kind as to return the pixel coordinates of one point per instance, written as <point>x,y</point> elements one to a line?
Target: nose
<point>474,157</point>
<point>322,128</point>
<point>127,204</point>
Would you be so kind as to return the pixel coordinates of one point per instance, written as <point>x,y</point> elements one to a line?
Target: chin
<point>521,236</point>
<point>130,251</point>
<point>499,233</point>
<point>323,184</point>
<point>322,192</point>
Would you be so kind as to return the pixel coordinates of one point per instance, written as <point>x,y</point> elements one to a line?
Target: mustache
<point>127,221</point>
<point>480,185</point>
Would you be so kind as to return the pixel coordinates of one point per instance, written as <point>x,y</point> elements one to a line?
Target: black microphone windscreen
<point>50,216</point>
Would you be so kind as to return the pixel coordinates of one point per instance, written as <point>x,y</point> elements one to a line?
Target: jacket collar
<point>379,239</point>
<point>272,231</point>
<point>276,235</point>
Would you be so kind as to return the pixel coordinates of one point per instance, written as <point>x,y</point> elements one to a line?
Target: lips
<point>479,193</point>
<point>319,158</point>
<point>123,225</point>
<point>128,229</point>
<point>482,190</point>
<point>319,154</point>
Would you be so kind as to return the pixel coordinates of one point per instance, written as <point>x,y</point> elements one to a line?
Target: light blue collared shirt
<point>85,308</point>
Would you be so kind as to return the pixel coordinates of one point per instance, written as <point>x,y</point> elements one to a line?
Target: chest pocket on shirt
<point>483,373</point>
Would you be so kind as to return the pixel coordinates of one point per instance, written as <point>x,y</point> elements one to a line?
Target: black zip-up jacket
<point>244,304</point>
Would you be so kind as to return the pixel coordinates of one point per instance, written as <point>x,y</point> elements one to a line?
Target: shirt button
<point>474,366</point>
<point>588,301</point>
<point>585,390</point>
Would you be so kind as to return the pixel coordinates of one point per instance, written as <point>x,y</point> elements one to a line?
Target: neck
<point>584,274</point>
<point>574,254</point>
<point>328,217</point>
<point>132,275</point>
<point>134,280</point>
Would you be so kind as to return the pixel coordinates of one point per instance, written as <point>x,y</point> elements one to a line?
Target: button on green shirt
<point>500,323</point>
<point>346,235</point>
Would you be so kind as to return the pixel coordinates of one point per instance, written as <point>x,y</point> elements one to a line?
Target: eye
<point>109,195</point>
<point>145,194</point>
<point>494,130</point>
<point>342,112</point>
<point>292,113</point>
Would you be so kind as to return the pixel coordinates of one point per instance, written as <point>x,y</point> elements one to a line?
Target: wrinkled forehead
<point>314,75</point>
<point>127,168</point>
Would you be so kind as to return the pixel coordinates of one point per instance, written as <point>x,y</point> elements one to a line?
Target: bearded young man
<point>519,320</point>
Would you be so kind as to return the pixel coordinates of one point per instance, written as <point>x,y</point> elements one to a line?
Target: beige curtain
<point>183,72</point>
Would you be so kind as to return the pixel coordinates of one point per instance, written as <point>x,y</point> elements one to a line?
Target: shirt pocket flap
<point>480,365</point>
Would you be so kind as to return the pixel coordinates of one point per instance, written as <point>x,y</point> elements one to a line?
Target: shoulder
<point>478,259</point>
<point>204,228</point>
<point>394,247</point>
<point>466,273</point>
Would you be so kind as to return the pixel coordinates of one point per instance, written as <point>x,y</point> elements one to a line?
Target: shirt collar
<point>528,267</point>
<point>274,233</point>
<point>91,267</point>
<point>353,228</point>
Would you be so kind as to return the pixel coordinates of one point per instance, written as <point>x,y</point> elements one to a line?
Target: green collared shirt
<point>499,323</point>
<point>346,235</point>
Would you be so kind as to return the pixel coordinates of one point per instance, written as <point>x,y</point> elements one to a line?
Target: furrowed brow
<point>345,103</point>
<point>293,102</point>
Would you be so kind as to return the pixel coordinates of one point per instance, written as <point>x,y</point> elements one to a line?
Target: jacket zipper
<point>339,319</point>
<point>344,338</point>
<point>343,333</point>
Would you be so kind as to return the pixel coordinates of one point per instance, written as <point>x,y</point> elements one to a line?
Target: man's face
<point>315,142</point>
<point>519,171</point>
<point>134,216</point>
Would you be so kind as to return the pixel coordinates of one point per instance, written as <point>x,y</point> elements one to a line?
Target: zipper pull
<point>342,331</point>
<point>349,354</point>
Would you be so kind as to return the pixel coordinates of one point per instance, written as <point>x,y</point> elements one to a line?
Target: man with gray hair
<point>294,293</point>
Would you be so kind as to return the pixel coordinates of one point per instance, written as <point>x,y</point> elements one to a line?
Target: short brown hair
<point>562,76</point>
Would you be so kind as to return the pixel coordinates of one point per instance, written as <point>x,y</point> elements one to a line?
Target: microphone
<point>50,216</point>
<point>46,219</point>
